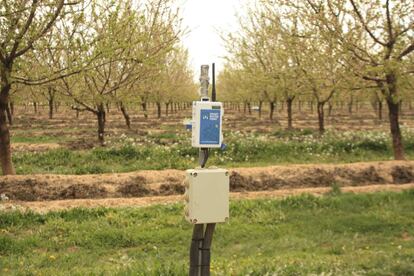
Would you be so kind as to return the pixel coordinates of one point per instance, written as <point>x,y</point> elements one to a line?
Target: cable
<point>196,244</point>
<point>205,249</point>
<point>203,157</point>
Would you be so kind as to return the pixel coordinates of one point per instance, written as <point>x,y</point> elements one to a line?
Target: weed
<point>128,154</point>
<point>335,190</point>
<point>366,234</point>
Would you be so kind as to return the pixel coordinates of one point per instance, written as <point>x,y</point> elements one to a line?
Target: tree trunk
<point>393,114</point>
<point>12,107</point>
<point>330,107</point>
<point>126,115</point>
<point>350,107</point>
<point>272,110</point>
<point>249,108</point>
<point>380,110</point>
<point>101,124</point>
<point>289,102</point>
<point>244,108</point>
<point>158,110</point>
<point>321,117</point>
<point>35,107</point>
<point>5,147</point>
<point>9,115</point>
<point>51,106</point>
<point>144,108</point>
<point>393,111</point>
<point>260,108</point>
<point>166,108</point>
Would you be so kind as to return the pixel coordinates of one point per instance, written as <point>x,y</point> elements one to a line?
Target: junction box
<point>207,124</point>
<point>206,196</point>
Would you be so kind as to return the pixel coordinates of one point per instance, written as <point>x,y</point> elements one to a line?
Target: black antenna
<point>213,92</point>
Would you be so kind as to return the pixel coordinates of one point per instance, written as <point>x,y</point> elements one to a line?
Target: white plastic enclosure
<point>207,124</point>
<point>207,196</point>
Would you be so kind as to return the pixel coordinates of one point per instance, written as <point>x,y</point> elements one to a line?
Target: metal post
<point>213,91</point>
<point>205,249</point>
<point>196,244</point>
<point>201,241</point>
<point>208,235</point>
<point>204,81</point>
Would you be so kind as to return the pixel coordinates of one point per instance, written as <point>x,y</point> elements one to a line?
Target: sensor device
<point>207,196</point>
<point>207,124</point>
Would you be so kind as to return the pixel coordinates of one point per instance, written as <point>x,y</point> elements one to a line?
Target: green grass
<point>343,234</point>
<point>37,139</point>
<point>174,151</point>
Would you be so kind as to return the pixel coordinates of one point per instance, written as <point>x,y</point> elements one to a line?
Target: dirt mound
<point>403,174</point>
<point>37,147</point>
<point>170,182</point>
<point>58,205</point>
<point>274,178</point>
<point>354,176</point>
<point>83,191</point>
<point>80,144</point>
<point>134,190</point>
<point>30,189</point>
<point>172,188</point>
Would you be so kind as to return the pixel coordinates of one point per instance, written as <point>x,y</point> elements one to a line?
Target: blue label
<point>210,127</point>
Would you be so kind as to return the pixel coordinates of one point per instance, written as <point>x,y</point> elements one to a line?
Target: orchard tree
<point>377,36</point>
<point>22,24</point>
<point>173,81</point>
<point>125,38</point>
<point>178,77</point>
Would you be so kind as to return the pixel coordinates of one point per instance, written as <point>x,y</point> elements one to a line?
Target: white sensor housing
<point>207,124</point>
<point>206,196</point>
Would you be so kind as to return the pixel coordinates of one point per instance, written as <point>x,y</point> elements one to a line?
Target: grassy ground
<point>339,234</point>
<point>173,151</point>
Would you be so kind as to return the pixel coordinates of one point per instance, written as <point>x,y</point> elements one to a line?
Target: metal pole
<point>198,230</point>
<point>205,249</point>
<point>213,91</point>
<point>208,235</point>
<point>200,256</point>
<point>204,81</point>
<point>196,244</point>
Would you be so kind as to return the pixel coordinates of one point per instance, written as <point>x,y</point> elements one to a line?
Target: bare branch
<point>389,22</point>
<point>44,31</point>
<point>364,24</point>
<point>26,27</point>
<point>373,79</point>
<point>407,51</point>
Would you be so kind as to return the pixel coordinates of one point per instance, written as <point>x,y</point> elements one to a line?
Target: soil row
<point>138,202</point>
<point>170,182</point>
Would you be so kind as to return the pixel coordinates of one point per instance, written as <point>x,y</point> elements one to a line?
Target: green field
<point>174,151</point>
<point>338,234</point>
